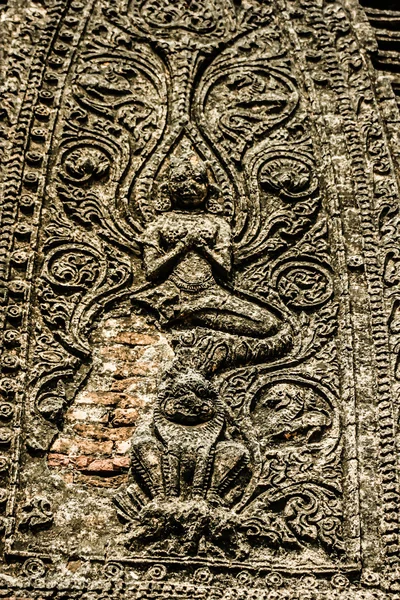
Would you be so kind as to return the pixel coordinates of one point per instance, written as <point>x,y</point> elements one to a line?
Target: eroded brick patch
<point>94,447</point>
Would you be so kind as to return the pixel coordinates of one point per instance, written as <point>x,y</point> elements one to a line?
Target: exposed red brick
<point>63,446</point>
<point>102,398</point>
<point>125,385</point>
<point>135,385</point>
<point>138,368</point>
<point>74,565</point>
<point>89,447</point>
<point>75,447</point>
<point>102,465</point>
<point>123,447</point>
<point>89,415</point>
<point>121,462</point>
<point>82,462</point>
<point>123,353</point>
<point>131,401</point>
<point>107,466</point>
<point>95,446</point>
<point>98,432</point>
<point>57,460</point>
<point>125,417</point>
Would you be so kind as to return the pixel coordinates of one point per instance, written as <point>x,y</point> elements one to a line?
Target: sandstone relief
<point>200,271</point>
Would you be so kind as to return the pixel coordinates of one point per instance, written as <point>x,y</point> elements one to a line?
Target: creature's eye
<point>199,178</point>
<point>179,178</point>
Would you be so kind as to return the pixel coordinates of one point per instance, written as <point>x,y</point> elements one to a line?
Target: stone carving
<point>186,452</point>
<point>37,515</point>
<point>216,179</point>
<point>190,248</point>
<point>193,450</point>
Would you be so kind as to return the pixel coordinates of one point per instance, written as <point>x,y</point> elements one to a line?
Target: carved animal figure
<point>181,454</point>
<point>287,410</point>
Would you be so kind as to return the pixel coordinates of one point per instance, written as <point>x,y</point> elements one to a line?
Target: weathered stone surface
<point>200,295</point>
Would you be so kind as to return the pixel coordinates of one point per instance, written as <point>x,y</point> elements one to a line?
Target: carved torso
<point>193,272</point>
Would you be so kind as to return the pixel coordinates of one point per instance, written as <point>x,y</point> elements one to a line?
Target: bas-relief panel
<point>200,382</point>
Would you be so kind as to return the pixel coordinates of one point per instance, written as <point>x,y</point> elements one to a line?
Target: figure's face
<point>189,409</point>
<point>188,400</point>
<point>276,396</point>
<point>188,186</point>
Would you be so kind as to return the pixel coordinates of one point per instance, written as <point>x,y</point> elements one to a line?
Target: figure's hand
<point>207,237</point>
<point>173,233</point>
<point>199,241</point>
<point>190,241</point>
<point>181,246</point>
<point>200,238</point>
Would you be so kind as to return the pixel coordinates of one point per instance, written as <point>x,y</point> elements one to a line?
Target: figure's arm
<point>156,261</point>
<point>220,254</point>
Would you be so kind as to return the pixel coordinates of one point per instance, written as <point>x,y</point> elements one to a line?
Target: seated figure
<point>190,448</point>
<point>188,255</point>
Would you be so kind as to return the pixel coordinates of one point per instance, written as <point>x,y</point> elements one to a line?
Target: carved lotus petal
<point>287,176</point>
<point>85,164</point>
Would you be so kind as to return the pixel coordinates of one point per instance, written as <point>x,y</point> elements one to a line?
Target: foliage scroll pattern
<point>222,181</point>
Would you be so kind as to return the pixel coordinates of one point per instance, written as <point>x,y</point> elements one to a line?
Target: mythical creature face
<point>188,183</point>
<point>188,400</point>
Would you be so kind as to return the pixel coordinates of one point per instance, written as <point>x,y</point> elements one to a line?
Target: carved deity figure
<point>188,254</point>
<point>190,448</point>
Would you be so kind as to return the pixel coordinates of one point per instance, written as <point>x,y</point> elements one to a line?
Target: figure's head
<point>187,398</point>
<point>188,182</point>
